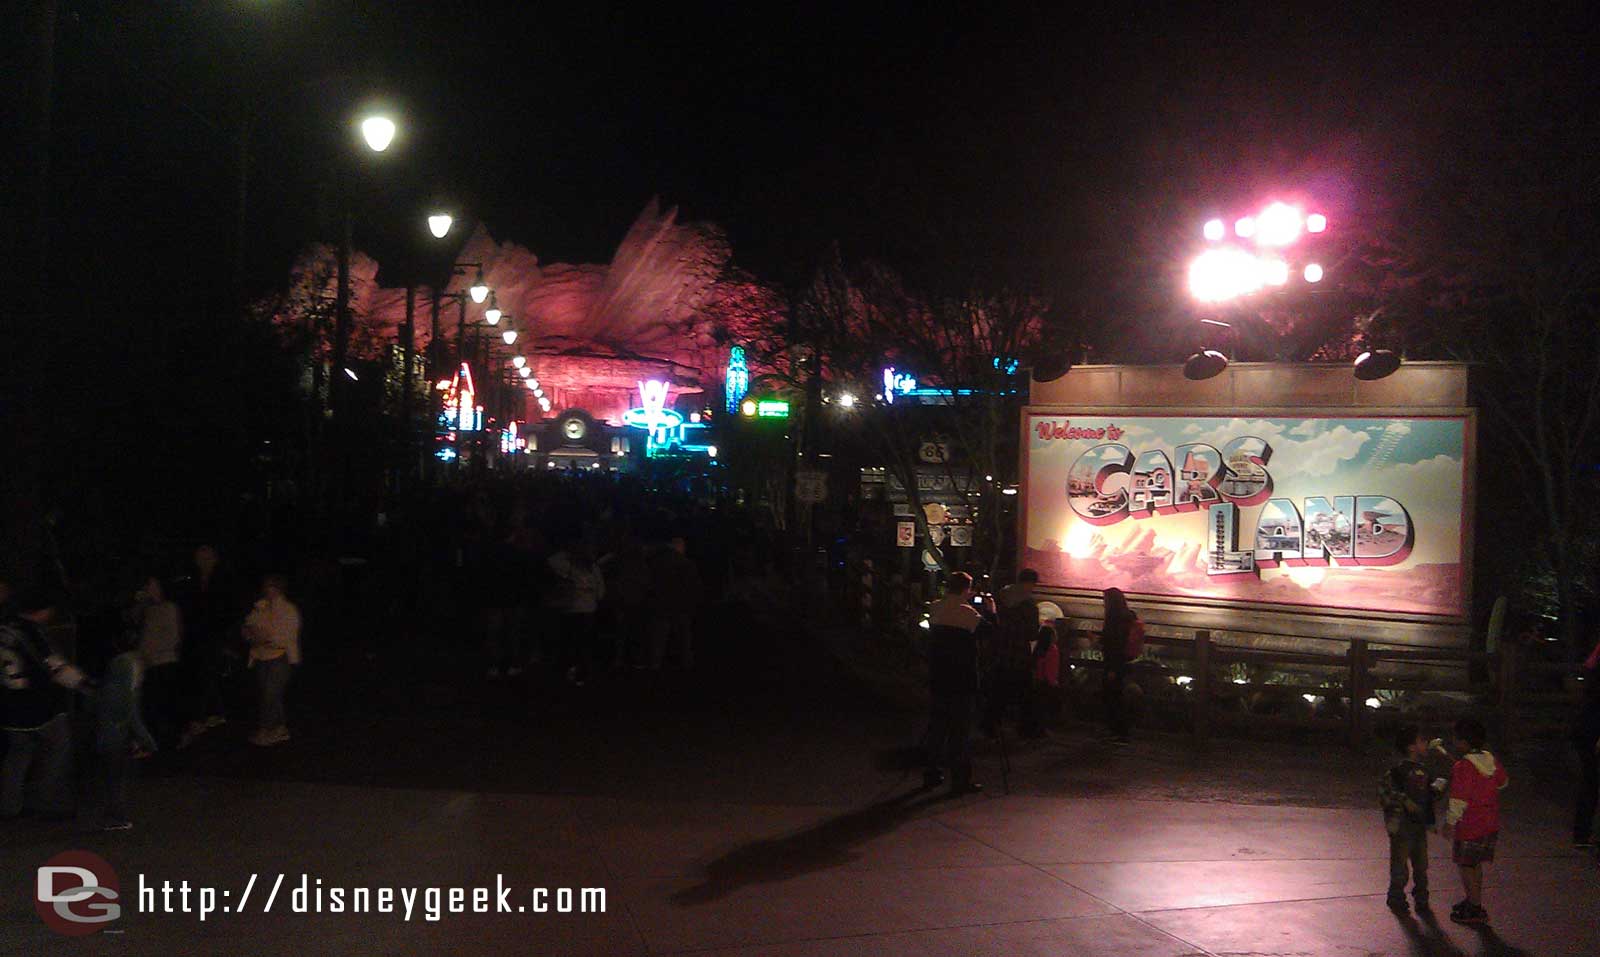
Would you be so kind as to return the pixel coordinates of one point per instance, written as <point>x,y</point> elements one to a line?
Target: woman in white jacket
<point>272,630</point>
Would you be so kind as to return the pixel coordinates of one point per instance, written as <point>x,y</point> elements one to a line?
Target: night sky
<point>1027,146</point>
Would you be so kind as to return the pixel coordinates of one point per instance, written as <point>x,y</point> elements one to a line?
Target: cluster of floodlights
<point>1258,258</point>
<point>1227,270</point>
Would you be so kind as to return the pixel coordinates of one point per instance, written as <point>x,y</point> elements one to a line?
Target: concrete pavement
<point>772,823</point>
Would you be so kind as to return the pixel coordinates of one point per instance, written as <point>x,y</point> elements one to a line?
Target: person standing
<point>208,613</point>
<point>272,631</point>
<point>1406,793</point>
<point>676,582</point>
<point>36,686</point>
<point>1119,624</point>
<point>160,634</point>
<point>1011,670</point>
<point>579,588</point>
<point>953,629</point>
<point>1472,817</point>
<point>1586,741</point>
<point>119,729</point>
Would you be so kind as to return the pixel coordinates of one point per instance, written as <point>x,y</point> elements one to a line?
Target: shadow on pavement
<point>1426,938</point>
<point>823,846</point>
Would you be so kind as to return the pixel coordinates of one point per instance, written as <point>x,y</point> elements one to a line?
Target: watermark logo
<point>77,893</point>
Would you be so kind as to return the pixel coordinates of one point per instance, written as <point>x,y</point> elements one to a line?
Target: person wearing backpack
<point>1121,642</point>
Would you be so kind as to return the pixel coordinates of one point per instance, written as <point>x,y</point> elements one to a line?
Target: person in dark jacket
<point>1407,793</point>
<point>1114,650</point>
<point>210,612</point>
<point>953,633</point>
<point>1586,741</point>
<point>36,686</point>
<point>1011,668</point>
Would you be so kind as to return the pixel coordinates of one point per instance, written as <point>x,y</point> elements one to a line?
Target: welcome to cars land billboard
<point>1329,512</point>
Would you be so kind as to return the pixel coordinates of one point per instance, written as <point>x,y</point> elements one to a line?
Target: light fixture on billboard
<point>1205,364</point>
<point>1374,364</point>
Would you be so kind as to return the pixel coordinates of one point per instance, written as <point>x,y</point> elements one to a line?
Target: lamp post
<point>378,131</point>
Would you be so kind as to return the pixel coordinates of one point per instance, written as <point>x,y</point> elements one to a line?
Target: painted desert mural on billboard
<point>1351,514</point>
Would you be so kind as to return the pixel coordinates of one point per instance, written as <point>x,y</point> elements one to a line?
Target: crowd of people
<point>154,681</point>
<point>575,576</point>
<point>999,649</point>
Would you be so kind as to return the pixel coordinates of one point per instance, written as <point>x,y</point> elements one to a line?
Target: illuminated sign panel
<point>1333,513</point>
<point>737,378</point>
<point>772,409</point>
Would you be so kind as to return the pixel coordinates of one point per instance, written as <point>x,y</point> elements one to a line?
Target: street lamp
<point>439,224</point>
<point>378,131</point>
<point>492,314</point>
<point>480,289</point>
<point>510,336</point>
<point>519,361</point>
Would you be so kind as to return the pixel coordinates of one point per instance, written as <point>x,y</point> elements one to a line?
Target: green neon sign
<point>772,409</point>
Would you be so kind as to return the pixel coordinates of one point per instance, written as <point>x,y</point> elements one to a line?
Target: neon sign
<point>460,410</point>
<point>653,415</point>
<point>737,379</point>
<point>772,409</point>
<point>511,440</point>
<point>894,382</point>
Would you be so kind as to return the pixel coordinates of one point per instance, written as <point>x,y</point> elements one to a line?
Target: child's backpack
<point>1135,639</point>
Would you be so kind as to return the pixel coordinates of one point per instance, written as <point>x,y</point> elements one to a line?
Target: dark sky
<point>1019,143</point>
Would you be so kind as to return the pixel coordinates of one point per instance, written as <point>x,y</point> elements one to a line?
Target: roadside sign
<point>905,534</point>
<point>961,536</point>
<point>810,487</point>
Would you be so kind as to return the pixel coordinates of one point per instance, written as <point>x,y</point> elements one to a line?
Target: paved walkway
<point>777,824</point>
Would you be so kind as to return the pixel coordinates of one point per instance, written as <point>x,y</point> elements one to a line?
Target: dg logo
<point>77,893</point>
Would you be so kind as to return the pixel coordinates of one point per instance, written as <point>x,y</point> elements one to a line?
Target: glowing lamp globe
<point>1215,229</point>
<point>480,289</point>
<point>1224,273</point>
<point>1245,228</point>
<point>1313,273</point>
<point>1316,223</point>
<point>439,224</point>
<point>1278,225</point>
<point>524,371</point>
<point>378,131</point>
<point>748,408</point>
<point>519,361</point>
<point>509,336</point>
<point>492,315</point>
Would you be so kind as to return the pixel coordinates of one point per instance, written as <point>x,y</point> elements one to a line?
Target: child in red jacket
<point>1473,815</point>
